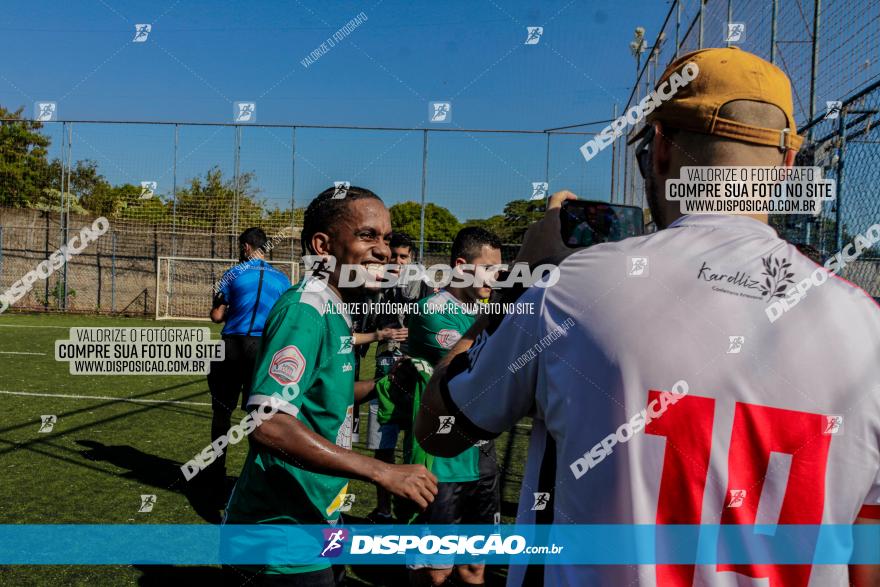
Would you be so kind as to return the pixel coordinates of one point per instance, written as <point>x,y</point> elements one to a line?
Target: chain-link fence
<point>829,50</point>
<point>188,190</point>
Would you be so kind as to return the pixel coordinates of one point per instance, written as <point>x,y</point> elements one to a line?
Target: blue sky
<point>202,56</point>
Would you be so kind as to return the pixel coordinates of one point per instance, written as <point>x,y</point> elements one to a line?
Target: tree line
<point>29,179</point>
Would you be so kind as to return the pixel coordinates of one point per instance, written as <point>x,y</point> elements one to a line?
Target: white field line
<point>101,397</point>
<point>35,326</point>
<point>19,353</point>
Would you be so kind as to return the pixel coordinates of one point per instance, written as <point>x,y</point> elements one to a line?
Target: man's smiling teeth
<point>375,269</point>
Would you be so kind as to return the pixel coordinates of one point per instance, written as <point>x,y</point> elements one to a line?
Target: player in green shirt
<point>467,485</point>
<point>300,459</point>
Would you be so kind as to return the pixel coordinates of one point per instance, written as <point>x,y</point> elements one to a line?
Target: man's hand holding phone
<point>543,239</point>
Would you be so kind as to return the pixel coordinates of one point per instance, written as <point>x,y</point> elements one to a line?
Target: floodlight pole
<point>702,11</point>
<point>773,32</point>
<point>292,190</point>
<point>677,25</point>
<point>424,191</point>
<point>613,160</point>
<point>235,179</point>
<point>841,129</point>
<point>61,203</point>
<point>729,17</point>
<point>547,164</point>
<point>67,207</point>
<point>174,193</point>
<point>817,8</point>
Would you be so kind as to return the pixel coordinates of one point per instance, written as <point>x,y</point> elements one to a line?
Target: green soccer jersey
<point>306,369</point>
<point>441,321</point>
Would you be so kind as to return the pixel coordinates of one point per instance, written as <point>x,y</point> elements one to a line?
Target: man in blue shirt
<point>243,298</point>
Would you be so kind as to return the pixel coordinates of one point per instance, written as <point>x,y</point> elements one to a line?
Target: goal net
<point>185,285</point>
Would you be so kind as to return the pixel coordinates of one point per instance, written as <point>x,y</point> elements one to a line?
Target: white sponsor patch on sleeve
<point>448,337</point>
<point>287,366</point>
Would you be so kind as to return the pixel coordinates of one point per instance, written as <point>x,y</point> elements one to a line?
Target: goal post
<point>185,285</point>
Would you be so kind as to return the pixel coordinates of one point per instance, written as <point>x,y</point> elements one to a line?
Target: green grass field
<point>103,453</point>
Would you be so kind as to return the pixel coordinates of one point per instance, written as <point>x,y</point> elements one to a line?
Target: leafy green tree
<point>277,220</point>
<point>24,169</point>
<point>87,186</point>
<point>211,202</point>
<point>127,203</point>
<point>440,223</point>
<point>511,226</point>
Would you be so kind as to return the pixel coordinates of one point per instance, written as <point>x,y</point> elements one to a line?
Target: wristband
<point>219,300</point>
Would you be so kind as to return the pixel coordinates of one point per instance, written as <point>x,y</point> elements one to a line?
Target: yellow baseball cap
<point>725,75</point>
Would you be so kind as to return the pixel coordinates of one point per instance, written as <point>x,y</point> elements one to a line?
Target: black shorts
<point>232,376</point>
<point>465,502</point>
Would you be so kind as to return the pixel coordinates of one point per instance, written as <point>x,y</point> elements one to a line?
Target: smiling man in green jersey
<point>467,483</point>
<point>300,459</point>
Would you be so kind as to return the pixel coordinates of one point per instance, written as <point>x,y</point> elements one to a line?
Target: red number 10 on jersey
<point>757,431</point>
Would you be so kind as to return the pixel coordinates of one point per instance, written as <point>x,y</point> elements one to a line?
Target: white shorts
<point>380,436</point>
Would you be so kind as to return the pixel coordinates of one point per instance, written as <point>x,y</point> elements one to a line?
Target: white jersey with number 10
<point>780,423</point>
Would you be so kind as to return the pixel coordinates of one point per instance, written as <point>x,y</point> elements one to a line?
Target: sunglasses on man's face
<point>643,152</point>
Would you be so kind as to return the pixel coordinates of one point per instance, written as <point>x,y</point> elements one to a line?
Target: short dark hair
<point>469,243</point>
<point>325,210</point>
<point>255,237</point>
<point>401,239</point>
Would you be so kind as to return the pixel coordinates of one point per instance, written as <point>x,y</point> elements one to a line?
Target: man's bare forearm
<point>365,338</point>
<point>292,441</point>
<point>364,391</point>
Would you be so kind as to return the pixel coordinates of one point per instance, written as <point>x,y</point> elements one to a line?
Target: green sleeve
<point>288,358</point>
<point>431,335</point>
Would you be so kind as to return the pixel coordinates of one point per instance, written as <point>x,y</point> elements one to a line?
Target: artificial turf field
<point>103,453</point>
